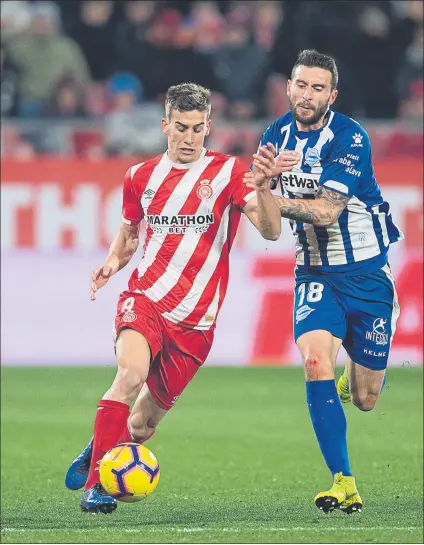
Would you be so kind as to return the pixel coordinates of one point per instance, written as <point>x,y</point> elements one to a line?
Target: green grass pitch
<point>239,462</point>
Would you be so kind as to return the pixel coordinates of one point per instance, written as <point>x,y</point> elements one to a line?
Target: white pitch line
<point>212,529</point>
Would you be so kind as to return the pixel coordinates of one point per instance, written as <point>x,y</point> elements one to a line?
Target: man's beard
<point>318,113</point>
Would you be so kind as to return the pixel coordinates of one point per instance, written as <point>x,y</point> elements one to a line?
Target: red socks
<point>109,425</point>
<point>110,429</point>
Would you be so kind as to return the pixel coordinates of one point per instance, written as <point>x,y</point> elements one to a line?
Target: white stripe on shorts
<point>396,307</point>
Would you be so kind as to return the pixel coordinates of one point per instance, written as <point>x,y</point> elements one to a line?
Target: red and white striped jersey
<point>192,212</point>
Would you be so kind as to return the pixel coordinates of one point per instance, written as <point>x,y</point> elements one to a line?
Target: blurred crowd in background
<point>103,67</point>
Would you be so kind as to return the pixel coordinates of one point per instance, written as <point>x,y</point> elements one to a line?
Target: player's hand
<point>100,275</point>
<point>248,179</point>
<point>263,165</point>
<point>285,161</point>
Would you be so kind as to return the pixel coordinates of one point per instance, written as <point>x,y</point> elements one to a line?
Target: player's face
<point>186,132</point>
<point>310,95</point>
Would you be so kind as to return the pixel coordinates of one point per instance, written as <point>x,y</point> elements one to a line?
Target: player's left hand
<point>284,162</point>
<point>248,179</point>
<point>263,165</point>
<point>101,275</point>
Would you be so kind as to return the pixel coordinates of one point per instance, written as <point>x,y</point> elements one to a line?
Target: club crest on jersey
<point>303,312</point>
<point>312,157</point>
<point>204,191</point>
<point>129,316</point>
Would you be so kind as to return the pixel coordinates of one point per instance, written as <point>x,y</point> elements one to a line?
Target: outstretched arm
<point>262,210</point>
<point>121,250</point>
<point>323,211</point>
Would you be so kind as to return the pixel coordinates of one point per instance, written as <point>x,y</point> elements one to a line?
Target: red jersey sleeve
<point>240,193</point>
<point>132,211</point>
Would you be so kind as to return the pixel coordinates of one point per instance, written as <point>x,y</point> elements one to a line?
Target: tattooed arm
<point>323,211</point>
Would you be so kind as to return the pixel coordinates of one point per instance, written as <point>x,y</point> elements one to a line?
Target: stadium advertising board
<point>58,217</point>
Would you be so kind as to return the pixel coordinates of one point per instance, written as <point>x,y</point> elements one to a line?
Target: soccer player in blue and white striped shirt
<point>344,289</point>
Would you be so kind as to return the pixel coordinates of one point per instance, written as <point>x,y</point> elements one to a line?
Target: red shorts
<point>177,352</point>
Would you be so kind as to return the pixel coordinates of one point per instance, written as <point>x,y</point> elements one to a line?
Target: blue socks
<point>329,422</point>
<point>383,384</point>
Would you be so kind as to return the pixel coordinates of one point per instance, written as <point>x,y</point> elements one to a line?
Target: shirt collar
<point>185,165</point>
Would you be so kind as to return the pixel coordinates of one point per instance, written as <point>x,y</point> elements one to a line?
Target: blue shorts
<point>360,309</point>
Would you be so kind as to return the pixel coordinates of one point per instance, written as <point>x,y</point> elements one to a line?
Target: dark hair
<point>311,58</point>
<point>187,97</point>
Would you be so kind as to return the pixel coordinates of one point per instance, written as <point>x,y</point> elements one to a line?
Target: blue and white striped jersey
<point>337,156</point>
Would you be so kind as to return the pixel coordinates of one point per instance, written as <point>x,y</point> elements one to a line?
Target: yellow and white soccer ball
<point>129,472</point>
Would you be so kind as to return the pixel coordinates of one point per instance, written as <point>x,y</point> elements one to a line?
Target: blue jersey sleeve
<point>348,162</point>
<point>269,135</point>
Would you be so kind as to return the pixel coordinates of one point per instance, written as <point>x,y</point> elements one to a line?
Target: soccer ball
<point>129,472</point>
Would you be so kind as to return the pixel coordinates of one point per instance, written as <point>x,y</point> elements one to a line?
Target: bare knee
<point>139,429</point>
<point>312,368</point>
<point>318,368</point>
<point>364,402</point>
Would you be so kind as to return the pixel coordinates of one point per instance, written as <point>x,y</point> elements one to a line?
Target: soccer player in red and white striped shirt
<point>191,199</point>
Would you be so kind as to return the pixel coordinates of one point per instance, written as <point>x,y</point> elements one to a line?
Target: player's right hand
<point>100,275</point>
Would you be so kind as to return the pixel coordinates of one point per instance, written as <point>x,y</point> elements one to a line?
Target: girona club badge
<point>129,316</point>
<point>204,191</point>
<point>127,308</point>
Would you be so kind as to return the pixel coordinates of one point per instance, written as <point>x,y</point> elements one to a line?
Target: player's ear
<point>333,96</point>
<point>208,127</point>
<point>288,86</point>
<point>164,125</point>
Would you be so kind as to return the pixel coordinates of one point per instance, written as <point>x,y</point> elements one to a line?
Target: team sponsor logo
<point>312,157</point>
<point>378,334</point>
<point>348,161</point>
<point>344,161</point>
<point>353,171</point>
<point>303,312</point>
<point>300,182</point>
<point>357,140</point>
<point>179,224</point>
<point>149,194</point>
